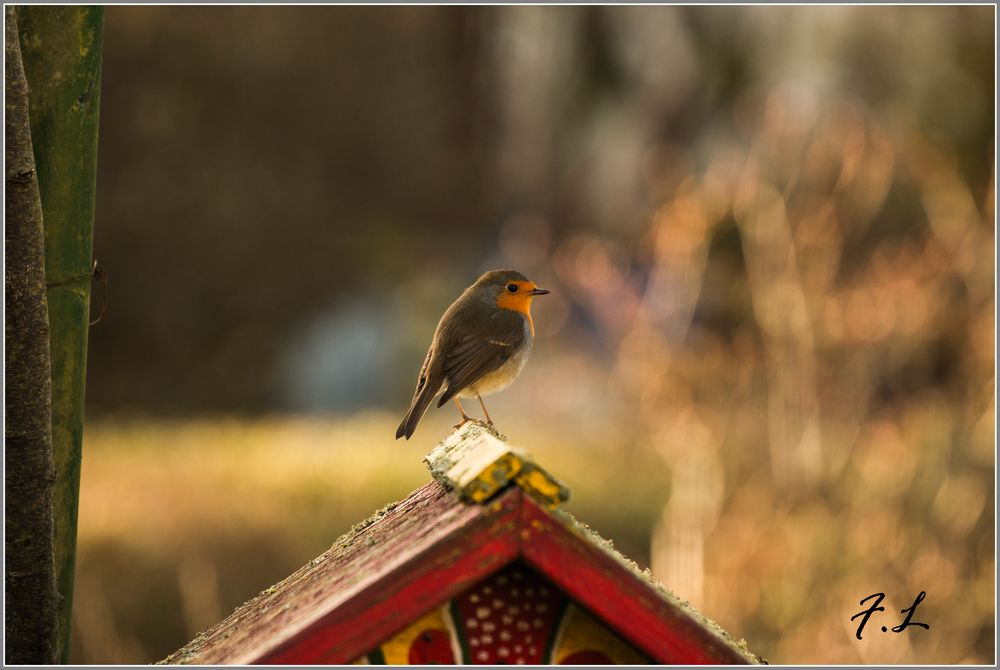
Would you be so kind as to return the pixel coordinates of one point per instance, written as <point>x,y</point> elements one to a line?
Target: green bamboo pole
<point>61,49</point>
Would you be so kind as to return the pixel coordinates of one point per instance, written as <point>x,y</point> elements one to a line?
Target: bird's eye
<point>512,288</point>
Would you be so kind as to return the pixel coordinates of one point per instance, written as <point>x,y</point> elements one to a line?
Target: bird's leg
<point>465,417</point>
<point>488,419</point>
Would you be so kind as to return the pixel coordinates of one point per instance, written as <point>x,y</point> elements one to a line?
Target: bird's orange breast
<point>519,302</point>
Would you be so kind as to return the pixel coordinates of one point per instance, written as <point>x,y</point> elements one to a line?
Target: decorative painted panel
<point>515,616</point>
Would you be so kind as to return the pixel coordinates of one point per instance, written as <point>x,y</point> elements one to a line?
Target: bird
<point>479,347</point>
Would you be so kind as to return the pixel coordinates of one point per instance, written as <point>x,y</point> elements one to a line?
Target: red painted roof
<point>421,552</point>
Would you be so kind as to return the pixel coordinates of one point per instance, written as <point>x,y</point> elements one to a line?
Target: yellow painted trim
<point>581,632</point>
<point>541,485</point>
<point>396,649</point>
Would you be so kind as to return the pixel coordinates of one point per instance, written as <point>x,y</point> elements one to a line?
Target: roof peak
<point>477,463</point>
<point>428,549</point>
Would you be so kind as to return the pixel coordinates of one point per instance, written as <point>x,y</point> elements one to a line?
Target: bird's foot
<point>465,420</point>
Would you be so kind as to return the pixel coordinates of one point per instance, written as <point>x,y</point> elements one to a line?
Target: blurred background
<point>769,235</point>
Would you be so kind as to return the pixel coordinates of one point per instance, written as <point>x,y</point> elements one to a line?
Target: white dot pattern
<point>509,618</point>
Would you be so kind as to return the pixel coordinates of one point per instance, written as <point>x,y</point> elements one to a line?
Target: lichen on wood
<point>477,463</point>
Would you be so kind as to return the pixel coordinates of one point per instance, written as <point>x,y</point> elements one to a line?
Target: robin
<point>479,347</point>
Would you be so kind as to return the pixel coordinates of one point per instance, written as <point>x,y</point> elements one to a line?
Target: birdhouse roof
<point>489,505</point>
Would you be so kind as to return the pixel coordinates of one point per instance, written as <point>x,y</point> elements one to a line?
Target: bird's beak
<point>539,291</point>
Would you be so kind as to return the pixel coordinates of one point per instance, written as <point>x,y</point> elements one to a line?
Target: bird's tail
<point>417,408</point>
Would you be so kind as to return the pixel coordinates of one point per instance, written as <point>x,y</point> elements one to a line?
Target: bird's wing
<point>473,357</point>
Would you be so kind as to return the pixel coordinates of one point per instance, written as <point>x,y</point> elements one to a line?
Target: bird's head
<point>511,289</point>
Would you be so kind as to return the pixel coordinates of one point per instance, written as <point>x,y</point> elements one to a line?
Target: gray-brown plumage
<point>480,344</point>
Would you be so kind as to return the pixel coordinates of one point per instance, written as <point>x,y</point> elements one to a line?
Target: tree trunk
<point>31,598</point>
<point>61,47</point>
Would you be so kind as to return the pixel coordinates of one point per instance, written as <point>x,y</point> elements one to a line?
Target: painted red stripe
<point>615,594</point>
